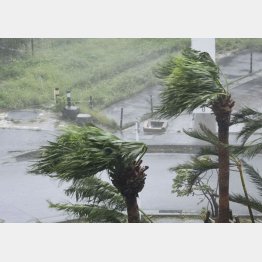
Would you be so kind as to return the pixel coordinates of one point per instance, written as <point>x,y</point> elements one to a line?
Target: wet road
<point>24,196</point>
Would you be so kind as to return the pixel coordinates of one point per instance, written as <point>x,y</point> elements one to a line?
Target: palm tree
<point>83,152</point>
<point>192,80</point>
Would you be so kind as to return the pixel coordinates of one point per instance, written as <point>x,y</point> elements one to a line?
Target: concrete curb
<point>184,149</point>
<point>32,128</point>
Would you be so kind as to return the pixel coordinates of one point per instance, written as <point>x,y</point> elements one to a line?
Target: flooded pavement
<point>31,119</point>
<point>248,94</point>
<point>134,107</point>
<point>23,197</point>
<point>237,65</point>
<point>23,115</point>
<point>26,134</point>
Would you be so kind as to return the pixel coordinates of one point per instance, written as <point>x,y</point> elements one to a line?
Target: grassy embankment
<point>224,45</point>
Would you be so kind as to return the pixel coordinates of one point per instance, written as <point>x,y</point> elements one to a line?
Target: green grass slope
<point>106,69</point>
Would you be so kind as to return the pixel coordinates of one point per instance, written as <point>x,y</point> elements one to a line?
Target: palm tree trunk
<point>240,169</point>
<point>132,209</point>
<point>222,109</point>
<point>223,171</point>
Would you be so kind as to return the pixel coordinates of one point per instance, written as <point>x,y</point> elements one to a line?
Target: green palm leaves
<point>256,179</point>
<point>85,151</point>
<point>252,122</point>
<point>97,201</point>
<point>191,80</point>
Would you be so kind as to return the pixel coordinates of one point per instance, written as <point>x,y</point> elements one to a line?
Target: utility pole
<point>91,104</point>
<point>251,62</point>
<point>151,104</point>
<point>32,46</point>
<point>56,94</point>
<point>121,118</point>
<point>68,97</point>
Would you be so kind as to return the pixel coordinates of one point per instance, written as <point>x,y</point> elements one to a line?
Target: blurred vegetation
<point>237,44</point>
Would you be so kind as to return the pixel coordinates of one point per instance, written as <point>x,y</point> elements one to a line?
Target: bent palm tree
<point>83,152</point>
<point>192,80</point>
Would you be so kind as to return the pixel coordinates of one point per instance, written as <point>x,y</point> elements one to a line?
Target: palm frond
<point>85,151</point>
<point>207,151</point>
<point>245,114</point>
<point>252,121</point>
<point>188,174</point>
<point>254,175</point>
<point>93,190</point>
<point>191,80</point>
<point>212,152</point>
<point>204,134</point>
<point>249,129</point>
<point>253,202</point>
<point>251,149</point>
<point>91,213</point>
<point>197,164</point>
<point>257,180</point>
<point>164,70</point>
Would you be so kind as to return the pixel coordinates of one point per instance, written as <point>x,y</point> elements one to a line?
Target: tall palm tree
<point>82,152</point>
<point>191,80</point>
